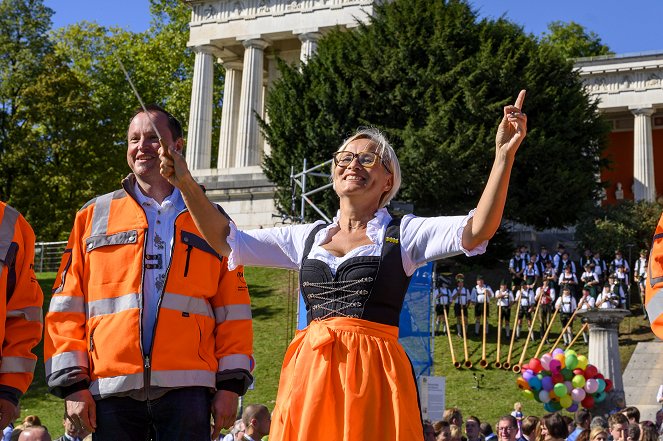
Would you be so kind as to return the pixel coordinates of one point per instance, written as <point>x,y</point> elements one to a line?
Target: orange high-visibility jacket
<point>203,334</point>
<point>21,301</point>
<point>654,283</point>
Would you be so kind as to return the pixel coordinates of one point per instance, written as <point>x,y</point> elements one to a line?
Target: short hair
<point>617,418</point>
<point>555,425</point>
<point>633,431</point>
<point>582,417</point>
<point>31,420</point>
<point>632,413</point>
<point>386,152</point>
<point>596,431</point>
<point>174,125</point>
<point>30,428</point>
<point>528,425</point>
<point>485,429</point>
<point>253,411</point>
<point>599,421</point>
<point>473,418</point>
<point>513,422</point>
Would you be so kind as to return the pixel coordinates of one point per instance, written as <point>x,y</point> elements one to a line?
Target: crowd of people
<point>549,282</point>
<point>621,425</point>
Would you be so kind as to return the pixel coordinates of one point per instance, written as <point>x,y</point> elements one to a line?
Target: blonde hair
<point>596,431</point>
<point>385,151</point>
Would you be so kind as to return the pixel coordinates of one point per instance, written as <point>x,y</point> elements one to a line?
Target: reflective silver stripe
<point>100,214</point>
<point>235,361</point>
<point>17,365</point>
<point>193,305</point>
<point>31,314</point>
<point>183,378</point>
<point>232,312</point>
<point>655,306</point>
<point>7,230</point>
<point>67,304</point>
<point>66,360</point>
<point>104,387</point>
<point>113,305</point>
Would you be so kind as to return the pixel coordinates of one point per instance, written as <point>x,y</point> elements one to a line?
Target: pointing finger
<point>521,99</point>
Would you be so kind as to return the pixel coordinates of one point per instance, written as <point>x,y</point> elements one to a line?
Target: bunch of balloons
<point>563,380</point>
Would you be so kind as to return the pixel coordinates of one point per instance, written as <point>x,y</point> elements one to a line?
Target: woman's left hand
<point>512,129</point>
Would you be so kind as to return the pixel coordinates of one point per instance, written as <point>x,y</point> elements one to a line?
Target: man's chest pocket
<point>196,264</point>
<point>113,259</point>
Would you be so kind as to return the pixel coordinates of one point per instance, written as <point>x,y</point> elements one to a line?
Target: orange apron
<point>345,378</point>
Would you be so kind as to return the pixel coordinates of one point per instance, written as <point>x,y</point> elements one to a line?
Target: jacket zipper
<point>92,340</point>
<point>188,255</point>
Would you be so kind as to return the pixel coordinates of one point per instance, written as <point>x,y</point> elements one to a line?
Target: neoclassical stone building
<point>629,88</point>
<point>246,36</point>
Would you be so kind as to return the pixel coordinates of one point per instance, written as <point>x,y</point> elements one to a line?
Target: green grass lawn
<point>274,309</point>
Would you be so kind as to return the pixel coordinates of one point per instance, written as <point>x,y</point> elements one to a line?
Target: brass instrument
<point>451,346</point>
<point>467,363</point>
<point>483,363</point>
<point>517,367</point>
<point>497,363</point>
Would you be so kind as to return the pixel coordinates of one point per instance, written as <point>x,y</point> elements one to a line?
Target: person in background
<point>480,296</point>
<point>633,432</point>
<point>582,420</point>
<point>257,420</point>
<point>442,430</point>
<point>617,425</point>
<point>640,277</point>
<point>34,433</point>
<point>553,427</point>
<point>472,425</point>
<point>504,299</point>
<point>632,413</point>
<point>487,432</point>
<point>429,431</point>
<point>598,433</point>
<point>528,429</point>
<point>518,415</point>
<point>507,428</point>
<point>70,431</point>
<point>442,302</point>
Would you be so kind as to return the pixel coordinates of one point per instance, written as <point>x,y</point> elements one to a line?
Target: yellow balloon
<point>582,362</point>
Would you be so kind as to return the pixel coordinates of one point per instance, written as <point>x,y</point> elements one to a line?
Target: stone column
<point>248,131</point>
<point>644,185</point>
<point>604,351</point>
<point>309,45</point>
<point>199,139</point>
<point>229,114</point>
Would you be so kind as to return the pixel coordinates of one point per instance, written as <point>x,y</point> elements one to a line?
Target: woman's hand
<point>512,129</point>
<point>173,167</point>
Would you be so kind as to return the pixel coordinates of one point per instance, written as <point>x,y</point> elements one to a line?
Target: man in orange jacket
<point>147,331</point>
<point>21,301</point>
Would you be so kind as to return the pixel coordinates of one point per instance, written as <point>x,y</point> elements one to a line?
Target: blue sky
<point>625,27</point>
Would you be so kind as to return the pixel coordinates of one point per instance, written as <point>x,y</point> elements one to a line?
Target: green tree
<point>435,79</point>
<point>612,227</point>
<point>573,40</point>
<point>23,46</point>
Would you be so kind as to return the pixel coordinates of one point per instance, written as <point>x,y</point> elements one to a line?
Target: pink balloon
<point>578,394</point>
<point>555,366</point>
<point>558,351</point>
<point>545,360</point>
<point>591,386</point>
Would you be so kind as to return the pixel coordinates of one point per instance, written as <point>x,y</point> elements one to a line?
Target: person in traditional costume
<point>346,374</point>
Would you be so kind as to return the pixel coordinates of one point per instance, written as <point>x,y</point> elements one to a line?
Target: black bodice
<point>366,287</point>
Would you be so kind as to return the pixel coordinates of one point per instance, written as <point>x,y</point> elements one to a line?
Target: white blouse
<point>422,240</point>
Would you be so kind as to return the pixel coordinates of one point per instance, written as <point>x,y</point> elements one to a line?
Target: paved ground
<point>642,378</point>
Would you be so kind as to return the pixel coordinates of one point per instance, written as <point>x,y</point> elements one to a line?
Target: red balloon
<point>608,385</point>
<point>558,378</point>
<point>597,376</point>
<point>588,402</point>
<point>590,371</point>
<point>535,365</point>
<point>578,371</point>
<point>525,367</point>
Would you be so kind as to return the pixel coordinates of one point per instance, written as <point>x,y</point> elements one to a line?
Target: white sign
<point>432,391</point>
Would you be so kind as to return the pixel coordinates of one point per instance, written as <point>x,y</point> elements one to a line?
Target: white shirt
<point>551,295</point>
<point>587,303</point>
<point>504,298</point>
<point>442,296</point>
<point>604,300</point>
<point>422,240</point>
<point>526,297</point>
<point>478,293</point>
<point>566,304</point>
<point>158,248</point>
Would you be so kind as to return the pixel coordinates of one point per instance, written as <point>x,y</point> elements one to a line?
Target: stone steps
<point>642,378</point>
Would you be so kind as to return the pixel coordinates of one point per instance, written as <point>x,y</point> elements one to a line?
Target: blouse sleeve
<point>280,247</point>
<point>424,239</point>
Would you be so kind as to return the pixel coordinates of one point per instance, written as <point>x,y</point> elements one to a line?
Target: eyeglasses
<point>366,159</point>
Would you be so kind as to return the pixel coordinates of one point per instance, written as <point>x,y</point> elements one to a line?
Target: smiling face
<point>356,181</point>
<point>143,144</point>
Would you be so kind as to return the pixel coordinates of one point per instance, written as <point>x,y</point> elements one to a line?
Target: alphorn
<point>467,363</point>
<point>516,368</point>
<point>507,363</point>
<point>561,334</point>
<point>451,346</point>
<point>483,363</point>
<point>499,336</point>
<point>584,327</point>
<point>545,335</point>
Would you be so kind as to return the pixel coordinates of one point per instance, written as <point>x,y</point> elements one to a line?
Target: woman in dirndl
<point>345,374</point>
